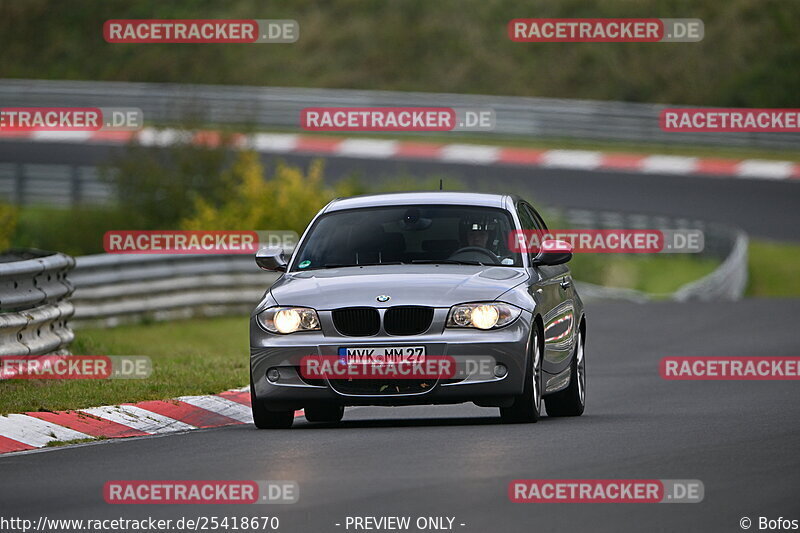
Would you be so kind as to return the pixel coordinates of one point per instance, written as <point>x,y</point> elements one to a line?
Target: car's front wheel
<point>572,400</point>
<point>263,418</point>
<point>527,406</point>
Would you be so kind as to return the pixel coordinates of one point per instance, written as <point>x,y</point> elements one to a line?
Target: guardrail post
<point>75,184</point>
<point>19,184</point>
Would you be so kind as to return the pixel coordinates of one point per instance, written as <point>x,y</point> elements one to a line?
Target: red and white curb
<point>20,432</point>
<point>453,153</point>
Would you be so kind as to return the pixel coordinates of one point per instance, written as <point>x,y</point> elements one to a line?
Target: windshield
<point>408,234</point>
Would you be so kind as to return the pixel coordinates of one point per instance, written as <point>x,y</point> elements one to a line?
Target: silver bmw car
<point>381,281</point>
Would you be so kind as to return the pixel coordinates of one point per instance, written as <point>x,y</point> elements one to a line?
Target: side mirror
<point>271,259</point>
<point>553,252</point>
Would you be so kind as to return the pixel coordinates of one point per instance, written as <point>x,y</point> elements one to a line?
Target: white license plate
<point>382,355</point>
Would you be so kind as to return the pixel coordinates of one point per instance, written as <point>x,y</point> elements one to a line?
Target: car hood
<point>430,285</point>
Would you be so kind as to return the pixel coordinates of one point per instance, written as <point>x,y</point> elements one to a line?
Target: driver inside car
<point>481,232</point>
<point>477,236</point>
<point>478,231</point>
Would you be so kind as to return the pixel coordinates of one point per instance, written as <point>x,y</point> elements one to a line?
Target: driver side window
<point>525,217</point>
<point>530,223</point>
<point>537,222</point>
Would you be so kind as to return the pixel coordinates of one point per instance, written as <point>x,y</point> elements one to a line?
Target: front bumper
<point>507,346</point>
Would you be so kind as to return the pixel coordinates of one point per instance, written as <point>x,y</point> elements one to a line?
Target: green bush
<point>75,231</point>
<point>158,186</point>
<point>9,215</point>
<point>289,199</point>
<point>286,201</point>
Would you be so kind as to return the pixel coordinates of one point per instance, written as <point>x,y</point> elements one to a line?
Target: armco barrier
<point>270,107</point>
<point>34,309</point>
<point>118,289</point>
<point>727,282</point>
<point>727,244</point>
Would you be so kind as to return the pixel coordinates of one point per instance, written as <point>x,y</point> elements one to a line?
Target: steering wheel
<point>475,249</point>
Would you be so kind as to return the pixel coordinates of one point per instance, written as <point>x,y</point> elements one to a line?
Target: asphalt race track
<point>739,438</point>
<point>763,208</point>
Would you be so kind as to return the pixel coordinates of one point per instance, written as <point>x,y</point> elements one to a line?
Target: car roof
<point>421,198</point>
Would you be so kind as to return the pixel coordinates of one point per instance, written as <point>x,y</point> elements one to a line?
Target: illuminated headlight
<point>288,319</point>
<point>484,315</point>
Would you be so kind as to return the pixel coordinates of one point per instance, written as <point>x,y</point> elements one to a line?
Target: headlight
<point>288,319</point>
<point>482,315</point>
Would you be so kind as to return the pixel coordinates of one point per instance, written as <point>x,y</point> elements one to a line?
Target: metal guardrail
<point>58,185</point>
<point>727,282</point>
<point>33,303</point>
<point>118,289</point>
<point>269,107</point>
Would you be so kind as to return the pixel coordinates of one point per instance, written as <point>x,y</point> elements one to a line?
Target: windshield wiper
<point>343,265</point>
<point>382,263</point>
<point>445,262</point>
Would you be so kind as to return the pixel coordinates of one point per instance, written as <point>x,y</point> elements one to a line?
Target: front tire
<point>572,400</point>
<point>266,419</point>
<point>528,405</point>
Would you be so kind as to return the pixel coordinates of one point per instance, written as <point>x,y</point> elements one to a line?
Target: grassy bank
<point>774,270</point>
<point>200,356</point>
<point>654,274</point>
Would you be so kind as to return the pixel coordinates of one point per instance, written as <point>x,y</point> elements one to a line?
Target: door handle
<point>565,283</point>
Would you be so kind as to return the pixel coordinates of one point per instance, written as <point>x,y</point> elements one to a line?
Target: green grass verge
<point>654,274</point>
<point>774,270</point>
<point>57,443</point>
<point>200,356</point>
